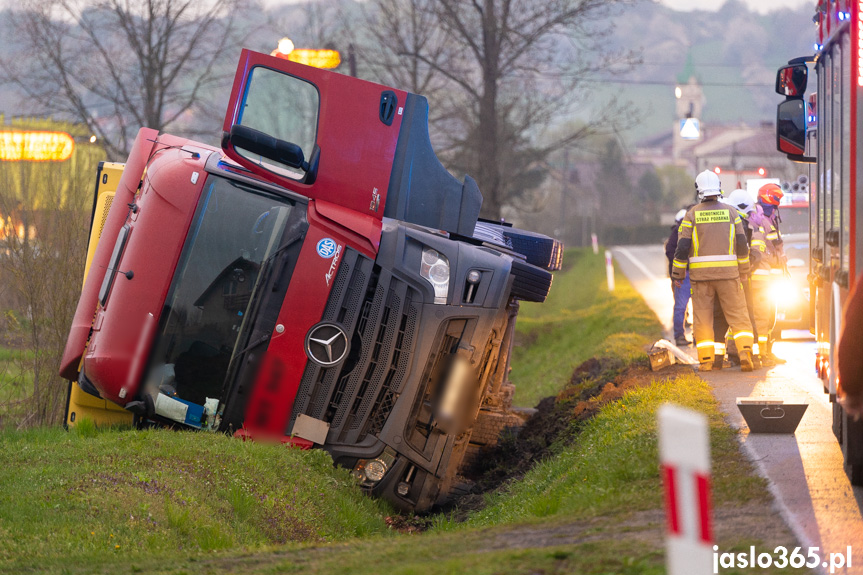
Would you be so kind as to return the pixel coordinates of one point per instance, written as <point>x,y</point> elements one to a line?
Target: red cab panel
<point>120,342</point>
<point>126,190</point>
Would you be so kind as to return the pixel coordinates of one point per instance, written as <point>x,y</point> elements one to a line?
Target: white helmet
<point>741,200</point>
<point>679,216</point>
<point>707,185</point>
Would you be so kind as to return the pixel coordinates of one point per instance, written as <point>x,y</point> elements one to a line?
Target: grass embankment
<point>197,503</point>
<point>581,319</point>
<point>92,496</point>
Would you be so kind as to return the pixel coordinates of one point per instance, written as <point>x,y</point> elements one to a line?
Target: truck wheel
<point>540,250</point>
<point>530,283</point>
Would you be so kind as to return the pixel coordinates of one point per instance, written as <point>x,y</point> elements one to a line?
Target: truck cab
<point>320,279</point>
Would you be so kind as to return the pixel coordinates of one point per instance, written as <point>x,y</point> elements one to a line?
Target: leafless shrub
<point>45,208</point>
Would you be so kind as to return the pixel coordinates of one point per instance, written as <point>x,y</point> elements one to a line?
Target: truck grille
<point>379,313</point>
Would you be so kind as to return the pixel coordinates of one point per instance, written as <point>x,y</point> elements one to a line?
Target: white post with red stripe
<point>609,270</point>
<point>684,454</point>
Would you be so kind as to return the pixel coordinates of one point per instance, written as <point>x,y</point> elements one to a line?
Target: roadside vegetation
<point>580,320</point>
<point>123,501</point>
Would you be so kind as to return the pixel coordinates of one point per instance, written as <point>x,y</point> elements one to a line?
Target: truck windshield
<point>234,233</point>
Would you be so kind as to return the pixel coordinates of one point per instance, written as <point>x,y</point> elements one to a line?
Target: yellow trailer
<point>82,404</point>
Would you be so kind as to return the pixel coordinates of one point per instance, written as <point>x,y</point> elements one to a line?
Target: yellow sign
<point>712,216</point>
<point>316,58</point>
<point>35,146</point>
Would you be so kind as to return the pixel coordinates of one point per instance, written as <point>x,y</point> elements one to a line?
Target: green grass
<point>580,320</point>
<point>93,495</point>
<point>161,502</point>
<point>612,467</point>
<point>595,508</point>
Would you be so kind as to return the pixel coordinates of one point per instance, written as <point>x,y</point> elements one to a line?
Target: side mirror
<point>791,80</point>
<point>791,130</point>
<point>267,146</point>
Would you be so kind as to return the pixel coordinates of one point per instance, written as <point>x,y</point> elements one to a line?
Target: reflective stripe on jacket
<point>713,243</point>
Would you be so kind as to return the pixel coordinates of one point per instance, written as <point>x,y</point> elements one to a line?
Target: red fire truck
<point>320,279</point>
<point>823,127</point>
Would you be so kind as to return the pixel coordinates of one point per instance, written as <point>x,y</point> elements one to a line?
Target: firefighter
<point>769,197</point>
<point>741,201</point>
<point>681,294</point>
<point>713,243</point>
<point>762,259</point>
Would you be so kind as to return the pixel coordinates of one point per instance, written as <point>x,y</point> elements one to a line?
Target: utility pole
<point>352,61</point>
<point>564,192</point>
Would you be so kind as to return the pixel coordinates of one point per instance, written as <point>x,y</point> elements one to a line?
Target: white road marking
<point>637,263</point>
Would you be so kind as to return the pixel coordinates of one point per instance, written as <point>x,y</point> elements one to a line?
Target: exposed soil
<point>557,422</point>
<point>593,384</point>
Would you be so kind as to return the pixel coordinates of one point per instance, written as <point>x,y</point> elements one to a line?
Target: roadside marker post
<point>609,270</point>
<point>684,454</point>
<point>594,241</point>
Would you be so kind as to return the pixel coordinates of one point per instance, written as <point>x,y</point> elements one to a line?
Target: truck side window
<point>283,107</point>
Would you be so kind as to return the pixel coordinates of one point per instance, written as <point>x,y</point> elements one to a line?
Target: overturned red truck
<point>320,279</point>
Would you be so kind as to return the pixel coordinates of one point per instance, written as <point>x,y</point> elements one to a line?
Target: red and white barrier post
<point>684,454</point>
<point>609,270</point>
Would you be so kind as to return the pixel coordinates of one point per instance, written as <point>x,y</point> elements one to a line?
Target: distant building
<point>737,152</point>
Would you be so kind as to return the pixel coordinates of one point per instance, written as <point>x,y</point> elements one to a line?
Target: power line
<point>667,83</point>
<point>664,82</point>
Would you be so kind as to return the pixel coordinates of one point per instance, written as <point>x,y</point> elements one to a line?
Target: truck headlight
<point>784,293</point>
<point>369,472</point>
<point>435,270</point>
<point>375,470</point>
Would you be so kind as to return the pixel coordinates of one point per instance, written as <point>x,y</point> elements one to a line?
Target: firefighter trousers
<point>725,343</point>
<point>765,312</point>
<point>730,295</point>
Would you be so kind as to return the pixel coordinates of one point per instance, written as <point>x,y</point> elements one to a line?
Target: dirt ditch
<point>555,422</point>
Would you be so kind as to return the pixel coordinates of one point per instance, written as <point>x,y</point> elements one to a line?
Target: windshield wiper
<point>297,237</point>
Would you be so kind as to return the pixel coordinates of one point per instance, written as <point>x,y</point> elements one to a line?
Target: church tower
<point>688,109</point>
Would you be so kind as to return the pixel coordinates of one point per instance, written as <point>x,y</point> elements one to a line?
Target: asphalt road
<point>804,469</point>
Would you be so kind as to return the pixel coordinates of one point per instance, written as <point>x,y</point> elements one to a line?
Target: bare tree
<point>117,65</point>
<point>500,73</point>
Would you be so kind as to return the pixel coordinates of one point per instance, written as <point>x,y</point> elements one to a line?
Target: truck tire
<point>852,448</point>
<point>540,250</point>
<point>530,283</point>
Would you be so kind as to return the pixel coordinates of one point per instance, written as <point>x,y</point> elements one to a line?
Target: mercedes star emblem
<point>327,344</point>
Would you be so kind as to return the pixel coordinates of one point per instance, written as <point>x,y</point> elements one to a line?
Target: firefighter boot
<point>718,361</point>
<point>746,363</point>
<point>705,366</point>
<point>765,360</point>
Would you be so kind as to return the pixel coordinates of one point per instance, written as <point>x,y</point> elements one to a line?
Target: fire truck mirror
<point>791,80</point>
<point>791,127</point>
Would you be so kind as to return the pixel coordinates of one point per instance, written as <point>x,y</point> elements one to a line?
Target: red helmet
<point>770,194</point>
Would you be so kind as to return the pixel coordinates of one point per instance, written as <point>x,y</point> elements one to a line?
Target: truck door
<point>322,134</point>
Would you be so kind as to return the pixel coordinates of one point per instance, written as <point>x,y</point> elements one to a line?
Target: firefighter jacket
<point>762,253</point>
<point>774,238</point>
<point>713,243</point>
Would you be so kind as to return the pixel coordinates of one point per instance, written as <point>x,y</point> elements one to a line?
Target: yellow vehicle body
<point>80,404</point>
